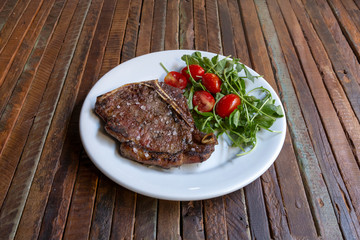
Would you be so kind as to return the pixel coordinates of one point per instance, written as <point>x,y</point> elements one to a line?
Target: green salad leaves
<point>256,111</point>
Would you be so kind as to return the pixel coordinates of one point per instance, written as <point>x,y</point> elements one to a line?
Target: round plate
<point>222,173</point>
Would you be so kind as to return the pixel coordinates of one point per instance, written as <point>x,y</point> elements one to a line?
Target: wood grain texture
<point>56,212</point>
<point>5,10</point>
<point>124,214</point>
<point>13,42</point>
<point>347,25</point>
<point>339,99</point>
<point>116,37</point>
<point>168,225</point>
<point>171,40</point>
<point>131,34</point>
<point>21,57</point>
<point>12,21</point>
<point>236,216</point>
<point>213,27</point>
<point>349,83</point>
<point>200,29</point>
<point>239,37</point>
<point>192,220</point>
<point>186,25</point>
<point>103,209</point>
<point>147,15</point>
<point>227,38</point>
<point>25,78</point>
<point>344,46</point>
<point>145,217</point>
<point>214,219</point>
<point>12,151</point>
<point>327,112</point>
<point>158,33</point>
<point>48,131</point>
<point>80,213</point>
<point>321,203</point>
<point>53,52</point>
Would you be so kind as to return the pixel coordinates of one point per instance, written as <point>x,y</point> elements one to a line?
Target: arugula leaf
<point>253,114</point>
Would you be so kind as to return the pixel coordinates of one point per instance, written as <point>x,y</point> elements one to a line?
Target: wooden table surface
<point>53,51</point>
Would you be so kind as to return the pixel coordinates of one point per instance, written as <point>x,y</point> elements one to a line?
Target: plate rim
<point>161,195</point>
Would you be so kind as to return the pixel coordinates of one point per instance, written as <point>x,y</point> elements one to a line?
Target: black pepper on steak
<point>153,124</point>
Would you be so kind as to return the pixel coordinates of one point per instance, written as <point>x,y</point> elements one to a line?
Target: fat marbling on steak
<point>153,124</point>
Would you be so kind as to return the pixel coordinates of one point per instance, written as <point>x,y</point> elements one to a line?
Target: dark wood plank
<point>171,40</point>
<point>10,45</point>
<point>56,212</point>
<point>5,10</point>
<point>147,15</point>
<point>186,24</point>
<point>55,215</point>
<point>49,129</point>
<point>116,37</point>
<point>168,226</point>
<point>344,46</point>
<point>124,214</point>
<point>348,27</point>
<point>214,218</point>
<point>132,29</point>
<point>158,33</point>
<point>344,74</point>
<point>200,25</point>
<point>226,28</point>
<point>12,21</point>
<point>103,209</point>
<point>12,151</point>
<point>15,83</point>
<point>238,32</point>
<point>145,217</point>
<point>258,220</point>
<point>316,187</point>
<point>295,202</point>
<point>213,26</point>
<point>80,214</point>
<point>236,217</point>
<point>335,132</point>
<point>192,220</point>
<point>353,11</point>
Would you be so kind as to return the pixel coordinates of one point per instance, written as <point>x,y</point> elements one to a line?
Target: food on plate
<point>152,122</point>
<point>203,100</point>
<point>193,70</point>
<point>220,102</point>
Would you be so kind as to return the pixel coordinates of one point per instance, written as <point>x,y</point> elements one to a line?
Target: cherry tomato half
<point>176,79</point>
<point>227,105</point>
<point>204,101</point>
<point>196,71</point>
<point>212,82</point>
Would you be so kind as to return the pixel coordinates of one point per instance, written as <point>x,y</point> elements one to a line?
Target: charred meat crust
<point>152,122</point>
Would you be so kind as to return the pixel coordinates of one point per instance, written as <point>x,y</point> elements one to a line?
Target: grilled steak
<point>152,122</point>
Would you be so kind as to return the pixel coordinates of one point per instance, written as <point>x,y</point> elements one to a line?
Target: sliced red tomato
<point>212,82</point>
<point>203,100</point>
<point>227,105</point>
<point>176,79</point>
<point>196,71</point>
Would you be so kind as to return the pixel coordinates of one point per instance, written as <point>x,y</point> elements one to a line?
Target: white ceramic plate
<point>222,173</point>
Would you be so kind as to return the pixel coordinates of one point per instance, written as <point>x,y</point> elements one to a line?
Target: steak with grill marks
<point>153,124</point>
